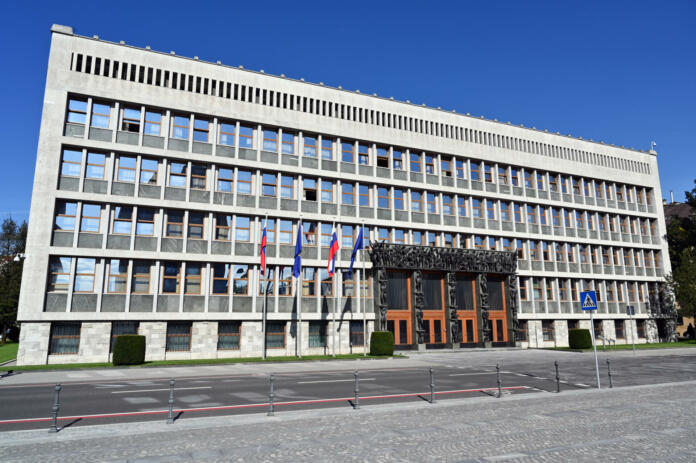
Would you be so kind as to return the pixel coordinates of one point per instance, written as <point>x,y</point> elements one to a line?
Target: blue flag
<point>298,252</point>
<point>358,246</point>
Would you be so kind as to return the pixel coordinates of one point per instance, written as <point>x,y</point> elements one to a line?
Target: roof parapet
<point>60,29</point>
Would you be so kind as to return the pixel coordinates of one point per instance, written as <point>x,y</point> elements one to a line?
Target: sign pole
<point>265,302</point>
<point>633,336</point>
<point>594,347</point>
<point>336,302</point>
<point>364,275</point>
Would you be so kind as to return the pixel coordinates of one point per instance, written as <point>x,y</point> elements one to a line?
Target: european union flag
<point>297,266</point>
<point>358,246</point>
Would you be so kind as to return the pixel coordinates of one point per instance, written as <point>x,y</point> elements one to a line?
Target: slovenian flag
<point>333,250</point>
<point>263,251</point>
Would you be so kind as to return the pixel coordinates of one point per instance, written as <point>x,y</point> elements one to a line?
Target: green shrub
<point>382,343</point>
<point>579,339</point>
<point>129,349</point>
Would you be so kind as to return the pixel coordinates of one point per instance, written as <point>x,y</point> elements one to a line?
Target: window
<point>246,137</point>
<point>490,209</point>
<point>148,171</point>
<point>229,335</point>
<point>548,331</point>
<point>347,152</point>
<point>540,181</point>
<point>123,218</point>
<point>579,219</point>
<point>198,176</point>
<point>225,180</point>
<point>275,334</point>
<point>327,149</point>
<point>524,296</point>
<point>536,289</point>
<point>517,210</point>
<point>429,164</point>
<point>502,175</point>
<point>131,120</point>
<point>461,206</point>
<point>533,250</point>
<point>488,173</point>
<point>543,215</point>
<point>72,163</point>
<point>175,224</point>
<point>309,281</point>
<point>65,216</point>
<point>145,225</point>
<point>417,237</point>
<point>65,338</point>
<point>356,333</point>
<point>399,236</point>
<point>287,186</point>
<point>171,275</point>
<point>327,191</point>
<point>180,127</point>
<point>563,290</point>
<point>117,276</point>
<point>120,328</point>
<point>59,274</point>
<point>445,167</point>
<point>101,113</point>
<point>416,201</point>
<point>476,171</point>
<point>515,176</point>
<point>519,245</point>
<point>447,205</point>
<point>528,179</point>
<point>153,123</point>
<point>398,160</point>
<point>285,281</point>
<point>383,197</point>
<point>140,283</point>
<point>91,216</point>
<point>363,155</point>
<point>195,225</point>
<point>309,234</point>
<point>398,199</point>
<point>310,147</point>
<point>382,158</point>
<point>177,174</point>
<point>268,184</point>
<point>77,111</point>
<point>192,283</point>
<point>201,130</point>
<point>288,143</point>
<point>431,203</point>
<point>84,275</point>
<point>553,182</point>
<point>598,332</point>
<point>460,168</point>
<point>244,182</point>
<point>242,232</point>
<point>178,336</point>
<point>317,334</point>
<point>415,162</point>
<point>309,186</point>
<point>549,289</point>
<point>95,165</point>
<point>566,218</point>
<point>504,212</point>
<point>640,328</point>
<point>126,169</point>
<point>240,275</point>
<point>347,193</point>
<point>227,132</point>
<point>285,232</point>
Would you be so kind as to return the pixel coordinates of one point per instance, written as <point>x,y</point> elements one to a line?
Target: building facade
<point>156,174</point>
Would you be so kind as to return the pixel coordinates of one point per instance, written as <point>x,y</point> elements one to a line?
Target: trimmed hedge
<point>579,339</point>
<point>382,343</point>
<point>129,349</point>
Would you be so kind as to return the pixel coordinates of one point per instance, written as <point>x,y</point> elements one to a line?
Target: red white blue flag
<point>333,250</point>
<point>263,251</point>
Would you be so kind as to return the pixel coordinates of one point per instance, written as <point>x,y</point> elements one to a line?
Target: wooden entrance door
<point>466,302</point>
<point>399,312</point>
<point>434,310</point>
<point>497,312</point>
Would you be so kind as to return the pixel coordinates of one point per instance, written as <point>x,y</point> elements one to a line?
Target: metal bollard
<point>170,416</point>
<point>500,382</point>
<point>558,378</point>
<point>271,397</point>
<point>54,411</point>
<point>611,383</point>
<point>432,386</point>
<point>356,402</point>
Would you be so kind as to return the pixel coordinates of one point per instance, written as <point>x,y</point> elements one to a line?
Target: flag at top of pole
<point>333,250</point>
<point>297,266</point>
<point>263,251</point>
<point>358,246</point>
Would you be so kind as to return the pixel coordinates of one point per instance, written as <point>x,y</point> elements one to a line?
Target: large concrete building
<point>155,174</point>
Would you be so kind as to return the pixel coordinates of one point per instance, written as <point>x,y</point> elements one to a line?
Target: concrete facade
<point>327,155</point>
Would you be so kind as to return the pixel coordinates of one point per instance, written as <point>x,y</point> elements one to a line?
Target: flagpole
<point>299,301</point>
<point>265,300</point>
<point>336,299</point>
<point>364,306</point>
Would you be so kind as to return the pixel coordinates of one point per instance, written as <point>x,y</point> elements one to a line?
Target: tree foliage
<point>13,238</point>
<point>681,238</point>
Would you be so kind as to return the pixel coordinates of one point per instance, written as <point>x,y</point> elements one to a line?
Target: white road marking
<point>336,381</point>
<point>467,374</point>
<point>163,389</point>
<point>583,385</point>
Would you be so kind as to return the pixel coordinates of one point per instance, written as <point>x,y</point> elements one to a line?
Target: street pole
<point>265,302</point>
<point>364,308</point>
<point>633,336</point>
<point>299,300</point>
<point>336,302</point>
<point>594,347</point>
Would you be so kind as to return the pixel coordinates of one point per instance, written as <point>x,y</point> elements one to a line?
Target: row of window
<point>568,289</point>
<point>190,278</point>
<point>65,336</point>
<point>549,330</point>
<point>240,92</point>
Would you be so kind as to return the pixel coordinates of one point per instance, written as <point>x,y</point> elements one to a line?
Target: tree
<point>13,239</point>
<point>681,238</point>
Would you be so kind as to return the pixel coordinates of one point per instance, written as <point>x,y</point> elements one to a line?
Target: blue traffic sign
<point>588,300</point>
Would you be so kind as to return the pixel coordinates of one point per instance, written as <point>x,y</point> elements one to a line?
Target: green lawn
<point>8,351</point>
<point>160,363</point>
<point>656,345</point>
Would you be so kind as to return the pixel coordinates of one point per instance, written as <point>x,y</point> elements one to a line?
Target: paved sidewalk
<point>640,423</point>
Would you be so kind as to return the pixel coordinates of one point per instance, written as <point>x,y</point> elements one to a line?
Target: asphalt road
<point>456,375</point>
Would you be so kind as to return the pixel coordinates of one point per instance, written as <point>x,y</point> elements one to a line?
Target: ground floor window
<point>522,333</point>
<point>598,329</point>
<point>573,324</point>
<point>357,336</point>
<point>275,334</point>
<point>178,336</point>
<point>499,333</point>
<point>119,328</point>
<point>640,328</point>
<point>620,332</point>
<point>65,338</point>
<point>547,329</point>
<point>317,334</point>
<point>228,335</point>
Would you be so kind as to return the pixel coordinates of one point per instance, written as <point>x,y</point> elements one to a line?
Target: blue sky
<point>619,71</point>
